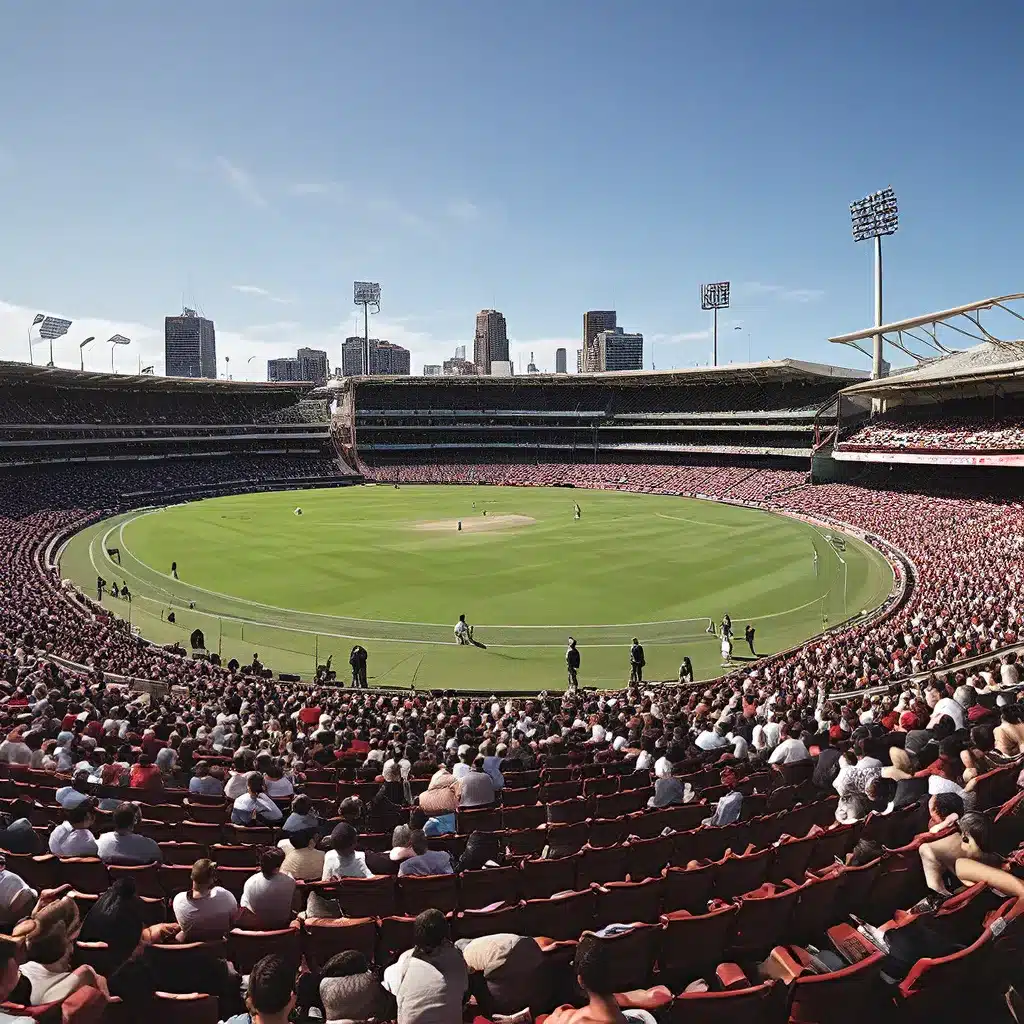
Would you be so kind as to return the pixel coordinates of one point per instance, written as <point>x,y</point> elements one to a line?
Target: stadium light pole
<point>51,327</point>
<point>247,362</point>
<point>113,342</point>
<point>366,294</point>
<point>81,351</point>
<point>872,217</point>
<point>36,320</point>
<point>715,296</point>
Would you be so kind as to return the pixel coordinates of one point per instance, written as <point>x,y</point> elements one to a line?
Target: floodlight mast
<point>366,294</point>
<point>715,296</point>
<point>36,321</point>
<point>873,216</point>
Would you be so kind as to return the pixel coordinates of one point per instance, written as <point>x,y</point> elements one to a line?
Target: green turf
<point>356,565</point>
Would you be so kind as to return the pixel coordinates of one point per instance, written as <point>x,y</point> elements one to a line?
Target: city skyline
<point>236,193</point>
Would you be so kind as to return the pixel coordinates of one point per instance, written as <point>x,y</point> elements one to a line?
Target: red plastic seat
<point>566,837</point>
<point>83,874</point>
<point>567,812</point>
<point>322,938</point>
<point>471,924</point>
<point>694,943</point>
<point>790,858</point>
<point>763,917</point>
<point>835,842</point>
<point>605,864</point>
<point>627,902</point>
<point>740,873</point>
<point>647,858</point>
<point>184,1008</point>
<point>551,791</point>
<point>491,885</point>
<point>394,936</point>
<point>543,878</point>
<point>174,878</point>
<point>183,853</point>
<point>560,917</point>
<point>759,1004</point>
<point>817,907</point>
<point>241,856</point>
<point>423,892</point>
<point>857,885</point>
<point>366,897</point>
<point>851,995</point>
<point>689,888</point>
<point>478,819</point>
<point>146,876</point>
<point>246,948</point>
<point>523,816</point>
<point>607,831</point>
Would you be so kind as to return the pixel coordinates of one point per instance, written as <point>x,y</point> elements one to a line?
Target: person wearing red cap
<point>728,808</point>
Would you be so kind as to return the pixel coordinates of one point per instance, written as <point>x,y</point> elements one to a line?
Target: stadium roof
<point>778,370</point>
<point>992,362</point>
<point>58,377</point>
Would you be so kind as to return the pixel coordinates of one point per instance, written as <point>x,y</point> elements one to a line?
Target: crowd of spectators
<point>938,435</point>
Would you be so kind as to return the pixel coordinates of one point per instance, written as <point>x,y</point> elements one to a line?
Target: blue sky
<point>539,156</point>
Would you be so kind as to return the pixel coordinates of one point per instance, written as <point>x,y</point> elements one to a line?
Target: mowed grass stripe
<point>356,552</point>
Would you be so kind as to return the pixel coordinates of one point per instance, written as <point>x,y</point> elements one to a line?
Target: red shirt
<point>310,716</point>
<point>144,776</point>
<point>359,747</point>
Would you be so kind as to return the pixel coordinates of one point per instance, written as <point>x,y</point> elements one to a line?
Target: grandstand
<point>677,814</point>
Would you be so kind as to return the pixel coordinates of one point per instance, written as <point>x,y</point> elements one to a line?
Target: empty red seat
<point>421,892</point>
<point>322,938</point>
<point>604,864</point>
<point>470,924</point>
<point>740,873</point>
<point>764,916</point>
<point>633,955</point>
<point>694,943</point>
<point>627,902</point>
<point>246,948</point>
<point>543,878</point>
<point>559,917</point>
<point>491,885</point>
<point>366,897</point>
<point>689,888</point>
<point>758,1004</point>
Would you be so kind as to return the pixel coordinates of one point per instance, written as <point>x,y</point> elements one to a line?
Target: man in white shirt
<point>17,897</point>
<point>205,910</point>
<point>663,768</point>
<point>791,748</point>
<point>268,894</point>
<point>73,837</point>
<point>712,739</point>
<point>254,807</point>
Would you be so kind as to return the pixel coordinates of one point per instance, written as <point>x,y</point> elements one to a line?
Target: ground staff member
<point>572,664</point>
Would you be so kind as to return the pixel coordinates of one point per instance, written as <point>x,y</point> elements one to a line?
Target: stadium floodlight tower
<point>366,294</point>
<point>51,327</point>
<point>81,350</point>
<point>36,321</point>
<point>715,296</point>
<point>113,342</point>
<point>874,216</point>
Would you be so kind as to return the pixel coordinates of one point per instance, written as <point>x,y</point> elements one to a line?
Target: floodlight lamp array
<point>874,215</point>
<point>714,296</point>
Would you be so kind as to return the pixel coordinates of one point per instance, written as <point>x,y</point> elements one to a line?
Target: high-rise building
<point>308,364</point>
<point>190,346</point>
<point>431,369</point>
<point>386,359</point>
<point>457,367</point>
<point>561,365</point>
<point>617,350</point>
<point>490,342</point>
<point>460,351</point>
<point>594,322</point>
<point>579,360</point>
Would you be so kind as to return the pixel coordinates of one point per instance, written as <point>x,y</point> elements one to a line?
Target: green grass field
<point>387,567</point>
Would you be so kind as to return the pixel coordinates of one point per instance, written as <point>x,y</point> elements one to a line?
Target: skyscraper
<point>594,322</point>
<point>190,346</point>
<point>386,359</point>
<point>617,350</point>
<point>307,364</point>
<point>490,342</point>
<point>561,365</point>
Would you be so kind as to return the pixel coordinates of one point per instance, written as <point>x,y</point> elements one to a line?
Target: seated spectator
<point>865,851</point>
<point>17,898</point>
<point>475,788</point>
<point>205,910</point>
<point>270,997</point>
<point>593,969</point>
<point>973,841</point>
<point>430,980</point>
<point>278,785</point>
<point>203,783</point>
<point>118,919</point>
<point>302,860</point>
<point>77,793</point>
<point>712,739</point>
<point>122,845</point>
<point>401,844</point>
<point>302,817</point>
<point>49,937</point>
<point>145,774</point>
<point>980,755</point>
<point>791,747</point>
<point>667,792</point>
<point>507,973</point>
<point>729,806</point>
<point>482,851</point>
<point>254,808</point>
<point>349,990</point>
<point>343,860</point>
<point>17,836</point>
<point>73,837</point>
<point>944,810</point>
<point>439,801</point>
<point>10,979</point>
<point>14,750</point>
<point>268,895</point>
<point>492,766</point>
<point>424,860</point>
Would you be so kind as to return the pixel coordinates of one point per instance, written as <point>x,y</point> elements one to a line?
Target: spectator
<point>203,783</point>
<point>730,805</point>
<point>302,817</point>
<point>349,990</point>
<point>507,973</point>
<point>270,997</point>
<point>424,860</point>
<point>667,792</point>
<point>10,978</point>
<point>430,980</point>
<point>145,774</point>
<point>278,785</point>
<point>790,748</point>
<point>73,837</point>
<point>268,895</point>
<point>343,860</point>
<point>944,810</point>
<point>254,807</point>
<point>205,910</point>
<point>302,860</point>
<point>482,851</point>
<point>77,792</point>
<point>973,841</point>
<point>122,845</point>
<point>593,969</point>
<point>16,897</point>
<point>475,789</point>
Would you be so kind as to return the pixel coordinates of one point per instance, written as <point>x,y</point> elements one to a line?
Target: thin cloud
<point>314,188</point>
<point>783,293</point>
<point>242,182</point>
<point>680,337</point>
<point>254,289</point>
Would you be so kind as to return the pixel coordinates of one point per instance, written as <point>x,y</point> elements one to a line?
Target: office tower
<point>285,369</point>
<point>190,346</point>
<point>431,369</point>
<point>312,364</point>
<point>617,350</point>
<point>560,360</point>
<point>594,322</point>
<point>386,359</point>
<point>457,367</point>
<point>579,360</point>
<point>490,342</point>
<point>460,351</point>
